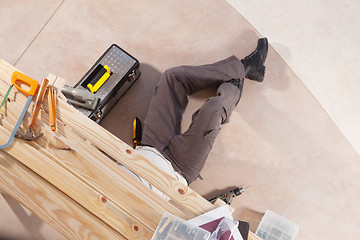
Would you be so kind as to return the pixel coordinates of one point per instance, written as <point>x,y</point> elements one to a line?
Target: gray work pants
<point>162,129</point>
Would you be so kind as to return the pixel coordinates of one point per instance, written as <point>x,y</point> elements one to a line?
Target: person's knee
<point>213,108</point>
<point>170,75</point>
<point>174,70</point>
<point>210,107</point>
<point>173,73</point>
<point>213,104</point>
<point>173,77</point>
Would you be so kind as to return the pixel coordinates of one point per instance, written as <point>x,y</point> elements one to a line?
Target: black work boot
<point>254,63</point>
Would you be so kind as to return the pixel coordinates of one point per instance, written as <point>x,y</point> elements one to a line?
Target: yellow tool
<point>101,81</point>
<point>52,107</point>
<point>137,132</point>
<point>17,78</point>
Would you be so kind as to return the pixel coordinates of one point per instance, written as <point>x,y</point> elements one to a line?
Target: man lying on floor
<point>183,155</point>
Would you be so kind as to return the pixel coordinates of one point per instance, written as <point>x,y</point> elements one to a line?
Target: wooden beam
<point>47,202</point>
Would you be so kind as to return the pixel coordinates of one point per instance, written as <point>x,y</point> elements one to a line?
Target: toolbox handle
<point>101,81</point>
<point>18,77</point>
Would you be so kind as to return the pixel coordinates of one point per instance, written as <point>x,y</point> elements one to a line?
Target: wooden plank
<point>47,202</point>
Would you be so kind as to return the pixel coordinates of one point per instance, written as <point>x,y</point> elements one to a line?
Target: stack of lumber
<point>71,180</point>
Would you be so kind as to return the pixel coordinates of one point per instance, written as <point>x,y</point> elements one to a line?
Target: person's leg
<point>164,117</point>
<point>188,151</point>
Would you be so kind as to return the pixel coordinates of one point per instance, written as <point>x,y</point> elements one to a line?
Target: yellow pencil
<point>52,107</point>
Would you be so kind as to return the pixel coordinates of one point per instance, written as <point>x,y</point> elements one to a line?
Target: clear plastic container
<point>174,228</point>
<point>276,227</point>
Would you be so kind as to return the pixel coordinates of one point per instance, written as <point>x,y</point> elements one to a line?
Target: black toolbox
<point>123,71</point>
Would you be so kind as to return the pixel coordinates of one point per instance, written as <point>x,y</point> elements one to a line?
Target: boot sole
<point>260,77</point>
<point>266,51</point>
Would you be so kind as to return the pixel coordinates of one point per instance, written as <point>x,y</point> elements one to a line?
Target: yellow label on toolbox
<point>101,81</point>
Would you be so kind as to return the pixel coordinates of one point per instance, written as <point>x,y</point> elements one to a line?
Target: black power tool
<point>228,196</point>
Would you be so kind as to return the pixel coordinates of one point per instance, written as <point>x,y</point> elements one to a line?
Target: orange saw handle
<point>18,77</point>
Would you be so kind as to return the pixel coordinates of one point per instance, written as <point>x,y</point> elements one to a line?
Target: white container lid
<point>276,227</point>
<point>175,228</point>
